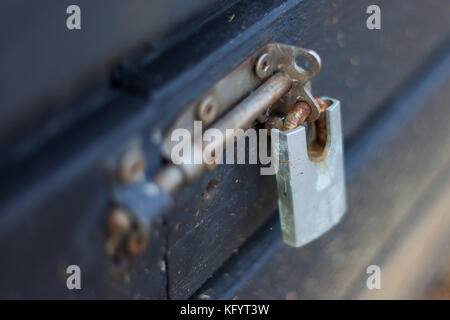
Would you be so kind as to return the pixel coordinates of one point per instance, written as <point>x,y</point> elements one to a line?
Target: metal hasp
<point>268,81</point>
<point>271,85</point>
<point>311,188</point>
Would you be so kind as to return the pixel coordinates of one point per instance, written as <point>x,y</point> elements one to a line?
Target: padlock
<point>310,179</point>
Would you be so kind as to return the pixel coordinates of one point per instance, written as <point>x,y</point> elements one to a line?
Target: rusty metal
<point>320,129</point>
<point>264,66</point>
<point>245,113</point>
<point>323,104</point>
<point>119,224</point>
<point>132,165</point>
<point>285,57</point>
<point>207,110</point>
<point>226,93</point>
<point>242,116</point>
<point>274,122</point>
<point>311,191</point>
<point>119,221</point>
<point>286,85</point>
<point>127,236</point>
<point>136,242</point>
<point>243,80</point>
<point>297,116</point>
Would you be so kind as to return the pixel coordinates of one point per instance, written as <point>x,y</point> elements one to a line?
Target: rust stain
<point>323,105</point>
<point>209,191</point>
<point>274,123</point>
<point>321,124</point>
<point>297,116</point>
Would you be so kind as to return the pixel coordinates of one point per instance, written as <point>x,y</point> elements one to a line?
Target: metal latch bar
<point>242,116</point>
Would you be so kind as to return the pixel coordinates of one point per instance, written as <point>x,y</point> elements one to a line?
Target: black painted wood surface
<point>56,197</point>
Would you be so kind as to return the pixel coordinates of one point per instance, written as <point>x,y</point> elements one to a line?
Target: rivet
<point>207,110</point>
<point>264,66</point>
<point>132,165</point>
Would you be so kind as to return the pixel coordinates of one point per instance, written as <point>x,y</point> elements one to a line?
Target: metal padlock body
<point>311,195</point>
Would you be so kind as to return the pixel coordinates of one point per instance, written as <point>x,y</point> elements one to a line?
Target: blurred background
<point>71,100</point>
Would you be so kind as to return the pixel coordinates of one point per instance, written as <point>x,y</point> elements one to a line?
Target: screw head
<point>136,243</point>
<point>132,166</point>
<point>118,221</point>
<point>207,110</point>
<point>264,66</point>
<point>126,234</point>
